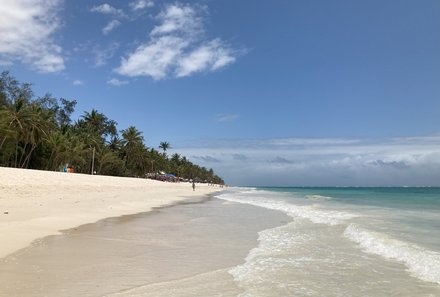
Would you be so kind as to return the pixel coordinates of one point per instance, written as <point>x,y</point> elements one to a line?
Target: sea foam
<point>265,264</point>
<point>287,249</point>
<point>318,197</point>
<point>311,212</point>
<point>421,263</point>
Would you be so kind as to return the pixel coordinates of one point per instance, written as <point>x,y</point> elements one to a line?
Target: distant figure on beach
<point>194,186</point>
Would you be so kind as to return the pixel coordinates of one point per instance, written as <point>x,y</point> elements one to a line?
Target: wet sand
<point>183,250</point>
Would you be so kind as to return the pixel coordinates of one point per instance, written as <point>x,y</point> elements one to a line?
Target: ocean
<point>343,242</point>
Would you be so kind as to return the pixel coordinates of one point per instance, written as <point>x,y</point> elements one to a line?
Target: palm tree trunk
<point>23,153</point>
<point>28,157</point>
<point>16,153</point>
<point>4,138</point>
<point>50,161</point>
<point>3,142</point>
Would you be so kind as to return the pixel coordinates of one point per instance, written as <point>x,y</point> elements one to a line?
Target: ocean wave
<point>310,212</point>
<point>317,197</point>
<point>421,263</point>
<point>259,275</point>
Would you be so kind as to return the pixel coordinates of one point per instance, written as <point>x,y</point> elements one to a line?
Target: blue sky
<point>264,92</point>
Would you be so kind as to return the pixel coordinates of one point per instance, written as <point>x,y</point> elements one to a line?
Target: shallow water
<point>344,242</point>
<point>173,250</point>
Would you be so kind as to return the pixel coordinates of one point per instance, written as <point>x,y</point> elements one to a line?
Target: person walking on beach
<point>194,186</point>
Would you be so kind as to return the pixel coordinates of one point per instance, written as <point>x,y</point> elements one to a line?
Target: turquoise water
<point>408,213</point>
<point>423,198</point>
<point>344,242</point>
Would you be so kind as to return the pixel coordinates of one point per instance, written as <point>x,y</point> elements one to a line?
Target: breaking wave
<point>311,212</point>
<point>421,263</point>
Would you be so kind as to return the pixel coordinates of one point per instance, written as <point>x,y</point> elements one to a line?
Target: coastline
<point>240,241</point>
<point>184,249</point>
<point>35,204</point>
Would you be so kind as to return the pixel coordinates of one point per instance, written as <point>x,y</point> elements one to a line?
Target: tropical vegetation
<point>39,133</point>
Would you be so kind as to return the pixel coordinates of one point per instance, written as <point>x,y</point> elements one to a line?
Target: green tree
<point>107,161</point>
<point>97,123</point>
<point>34,132</point>
<point>133,148</point>
<point>38,133</point>
<point>24,125</point>
<point>164,146</point>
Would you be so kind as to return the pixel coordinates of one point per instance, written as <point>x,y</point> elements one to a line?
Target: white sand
<point>34,203</point>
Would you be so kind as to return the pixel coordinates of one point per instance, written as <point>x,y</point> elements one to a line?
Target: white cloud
<point>311,141</point>
<point>176,47</point>
<point>110,26</point>
<point>107,9</point>
<point>27,31</point>
<point>117,82</point>
<point>178,18</point>
<point>412,161</point>
<point>227,117</point>
<point>153,59</point>
<point>208,57</point>
<point>78,82</point>
<point>141,4</point>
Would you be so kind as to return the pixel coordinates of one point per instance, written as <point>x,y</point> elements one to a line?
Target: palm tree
<point>106,158</point>
<point>14,119</point>
<point>24,124</point>
<point>164,145</point>
<point>35,131</point>
<point>77,153</point>
<point>67,148</point>
<point>95,120</point>
<point>131,137</point>
<point>98,124</point>
<point>115,144</point>
<point>157,161</point>
<point>57,143</point>
<point>133,143</point>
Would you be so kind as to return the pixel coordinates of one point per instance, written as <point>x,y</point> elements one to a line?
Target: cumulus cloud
<point>208,57</point>
<point>27,31</point>
<point>113,12</point>
<point>113,24</point>
<point>153,59</point>
<point>117,82</point>
<point>412,161</point>
<point>141,4</point>
<point>177,48</point>
<point>107,9</point>
<point>180,19</point>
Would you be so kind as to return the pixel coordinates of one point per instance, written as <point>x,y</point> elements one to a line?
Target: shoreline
<point>35,204</point>
<point>186,249</point>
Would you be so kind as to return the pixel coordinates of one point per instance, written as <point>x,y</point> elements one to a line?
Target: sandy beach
<point>185,249</point>
<point>77,235</point>
<point>35,204</point>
